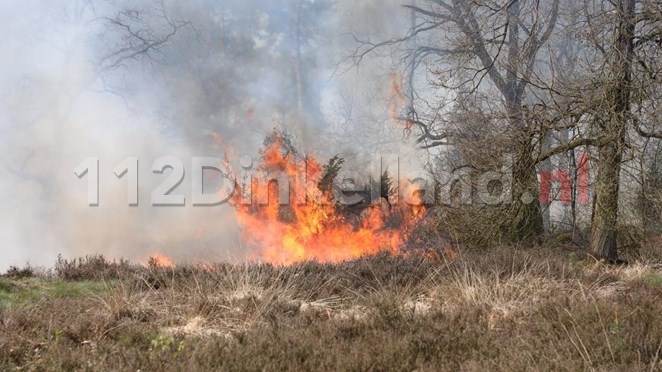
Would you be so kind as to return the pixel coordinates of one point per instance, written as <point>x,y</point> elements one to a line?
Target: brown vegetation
<point>508,309</point>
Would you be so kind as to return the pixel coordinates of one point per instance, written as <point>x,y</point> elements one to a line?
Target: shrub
<point>91,267</point>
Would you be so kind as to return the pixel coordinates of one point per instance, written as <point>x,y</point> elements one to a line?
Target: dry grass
<point>508,309</point>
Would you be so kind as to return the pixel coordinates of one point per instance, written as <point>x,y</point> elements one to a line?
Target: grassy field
<point>507,309</point>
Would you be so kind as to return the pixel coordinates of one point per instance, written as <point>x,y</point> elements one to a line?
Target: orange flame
<point>308,227</point>
<point>397,96</point>
<point>229,151</point>
<point>160,260</point>
<point>397,101</point>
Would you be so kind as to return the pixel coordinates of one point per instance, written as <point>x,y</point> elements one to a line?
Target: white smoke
<point>56,110</point>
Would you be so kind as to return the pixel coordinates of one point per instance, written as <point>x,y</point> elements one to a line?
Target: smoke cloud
<point>71,90</point>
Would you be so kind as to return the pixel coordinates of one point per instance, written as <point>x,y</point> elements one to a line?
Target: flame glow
<point>160,260</point>
<point>308,227</point>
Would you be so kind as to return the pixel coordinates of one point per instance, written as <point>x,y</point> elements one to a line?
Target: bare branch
<point>566,147</point>
<point>140,41</point>
<point>428,12</point>
<point>472,30</point>
<point>647,134</point>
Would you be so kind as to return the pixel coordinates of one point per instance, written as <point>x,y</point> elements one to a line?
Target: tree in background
<point>297,29</point>
<point>617,98</point>
<point>224,67</point>
<point>526,71</point>
<point>483,55</point>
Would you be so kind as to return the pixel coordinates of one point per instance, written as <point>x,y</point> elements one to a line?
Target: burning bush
<point>312,224</point>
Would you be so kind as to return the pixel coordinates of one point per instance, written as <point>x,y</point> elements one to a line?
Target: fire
<point>397,96</point>
<point>230,151</point>
<point>309,226</point>
<point>160,260</point>
<point>397,101</point>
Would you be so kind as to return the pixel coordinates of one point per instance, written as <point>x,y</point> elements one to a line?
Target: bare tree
<point>616,99</point>
<point>592,72</point>
<point>616,102</point>
<point>481,53</point>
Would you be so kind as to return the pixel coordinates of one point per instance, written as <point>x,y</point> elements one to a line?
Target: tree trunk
<point>617,96</point>
<point>526,216</point>
<point>527,221</point>
<point>605,212</point>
